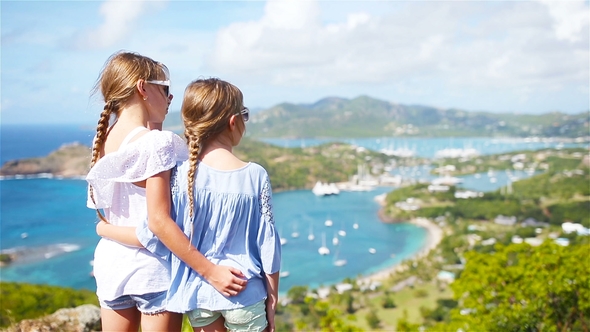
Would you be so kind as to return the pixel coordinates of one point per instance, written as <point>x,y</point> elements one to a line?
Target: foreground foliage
<point>25,301</point>
<point>523,288</point>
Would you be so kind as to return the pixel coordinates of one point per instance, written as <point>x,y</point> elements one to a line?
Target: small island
<point>70,160</point>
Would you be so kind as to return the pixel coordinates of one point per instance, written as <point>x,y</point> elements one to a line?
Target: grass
<point>186,326</point>
<point>405,300</point>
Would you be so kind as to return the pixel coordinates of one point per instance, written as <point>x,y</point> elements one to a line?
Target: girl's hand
<point>270,318</point>
<point>227,280</point>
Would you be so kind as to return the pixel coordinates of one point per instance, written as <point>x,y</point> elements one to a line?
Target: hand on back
<point>227,280</point>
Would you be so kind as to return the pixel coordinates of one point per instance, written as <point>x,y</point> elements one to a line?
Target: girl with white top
<point>224,205</point>
<point>132,282</point>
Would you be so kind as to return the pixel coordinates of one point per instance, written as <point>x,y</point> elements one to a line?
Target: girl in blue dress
<point>224,206</point>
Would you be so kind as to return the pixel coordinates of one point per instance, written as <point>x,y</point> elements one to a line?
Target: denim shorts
<point>152,303</point>
<point>251,318</point>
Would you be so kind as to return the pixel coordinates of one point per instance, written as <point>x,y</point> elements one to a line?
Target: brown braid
<point>101,133</point>
<point>206,109</point>
<point>194,149</point>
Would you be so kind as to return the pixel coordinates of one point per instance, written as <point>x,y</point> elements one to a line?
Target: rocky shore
<point>70,160</point>
<point>85,318</point>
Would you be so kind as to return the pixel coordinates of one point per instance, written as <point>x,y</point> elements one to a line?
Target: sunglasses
<point>165,84</point>
<point>245,112</point>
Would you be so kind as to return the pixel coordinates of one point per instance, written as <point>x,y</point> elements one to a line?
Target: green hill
<point>369,117</point>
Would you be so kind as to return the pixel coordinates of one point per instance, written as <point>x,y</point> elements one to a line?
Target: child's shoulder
<point>163,136</point>
<point>164,141</point>
<point>255,167</point>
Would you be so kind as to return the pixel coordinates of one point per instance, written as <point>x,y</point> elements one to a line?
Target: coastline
<point>434,237</point>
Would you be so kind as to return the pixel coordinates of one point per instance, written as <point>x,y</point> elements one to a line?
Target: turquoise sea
<point>45,219</point>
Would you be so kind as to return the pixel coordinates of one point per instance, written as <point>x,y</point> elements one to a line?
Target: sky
<point>527,57</point>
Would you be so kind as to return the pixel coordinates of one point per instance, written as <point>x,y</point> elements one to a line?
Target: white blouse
<point>120,269</point>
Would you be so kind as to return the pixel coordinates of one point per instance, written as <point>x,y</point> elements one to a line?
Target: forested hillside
<point>368,117</point>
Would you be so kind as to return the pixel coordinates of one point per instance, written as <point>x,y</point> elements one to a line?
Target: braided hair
<point>207,107</point>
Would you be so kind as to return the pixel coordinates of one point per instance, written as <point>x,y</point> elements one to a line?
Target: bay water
<point>46,221</point>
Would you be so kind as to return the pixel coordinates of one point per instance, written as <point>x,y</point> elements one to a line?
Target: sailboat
<point>295,233</point>
<point>311,237</point>
<point>339,262</point>
<point>283,240</point>
<point>342,232</point>
<point>323,250</point>
<point>335,239</point>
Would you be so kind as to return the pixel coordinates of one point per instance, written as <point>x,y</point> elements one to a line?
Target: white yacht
<point>325,189</point>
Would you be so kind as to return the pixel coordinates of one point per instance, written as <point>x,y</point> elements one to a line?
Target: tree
<point>387,301</point>
<point>524,288</point>
<point>403,325</point>
<point>372,319</point>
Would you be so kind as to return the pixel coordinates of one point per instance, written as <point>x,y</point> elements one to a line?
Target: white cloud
<point>290,15</point>
<point>488,45</point>
<point>570,18</point>
<point>120,18</point>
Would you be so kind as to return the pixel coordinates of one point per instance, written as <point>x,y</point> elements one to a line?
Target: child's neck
<point>218,154</point>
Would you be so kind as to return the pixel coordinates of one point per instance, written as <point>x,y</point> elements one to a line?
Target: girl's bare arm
<point>121,234</point>
<point>272,299</point>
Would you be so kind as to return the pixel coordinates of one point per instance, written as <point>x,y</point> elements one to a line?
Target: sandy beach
<point>435,235</point>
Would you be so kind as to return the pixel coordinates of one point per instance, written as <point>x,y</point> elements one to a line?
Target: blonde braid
<point>207,107</point>
<point>101,133</point>
<point>194,147</point>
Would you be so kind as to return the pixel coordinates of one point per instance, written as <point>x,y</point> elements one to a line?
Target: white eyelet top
<point>120,269</point>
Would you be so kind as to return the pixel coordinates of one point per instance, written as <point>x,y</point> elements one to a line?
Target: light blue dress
<point>233,225</point>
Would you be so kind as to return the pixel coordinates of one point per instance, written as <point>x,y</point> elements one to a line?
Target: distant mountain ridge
<point>365,116</point>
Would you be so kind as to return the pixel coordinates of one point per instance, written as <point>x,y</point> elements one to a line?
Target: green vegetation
<point>561,193</point>
<point>369,117</point>
<point>5,259</point>
<point>24,301</point>
<point>557,195</point>
<point>523,288</point>
<point>297,168</point>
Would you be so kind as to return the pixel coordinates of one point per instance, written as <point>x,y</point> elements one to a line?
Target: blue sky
<point>496,56</point>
